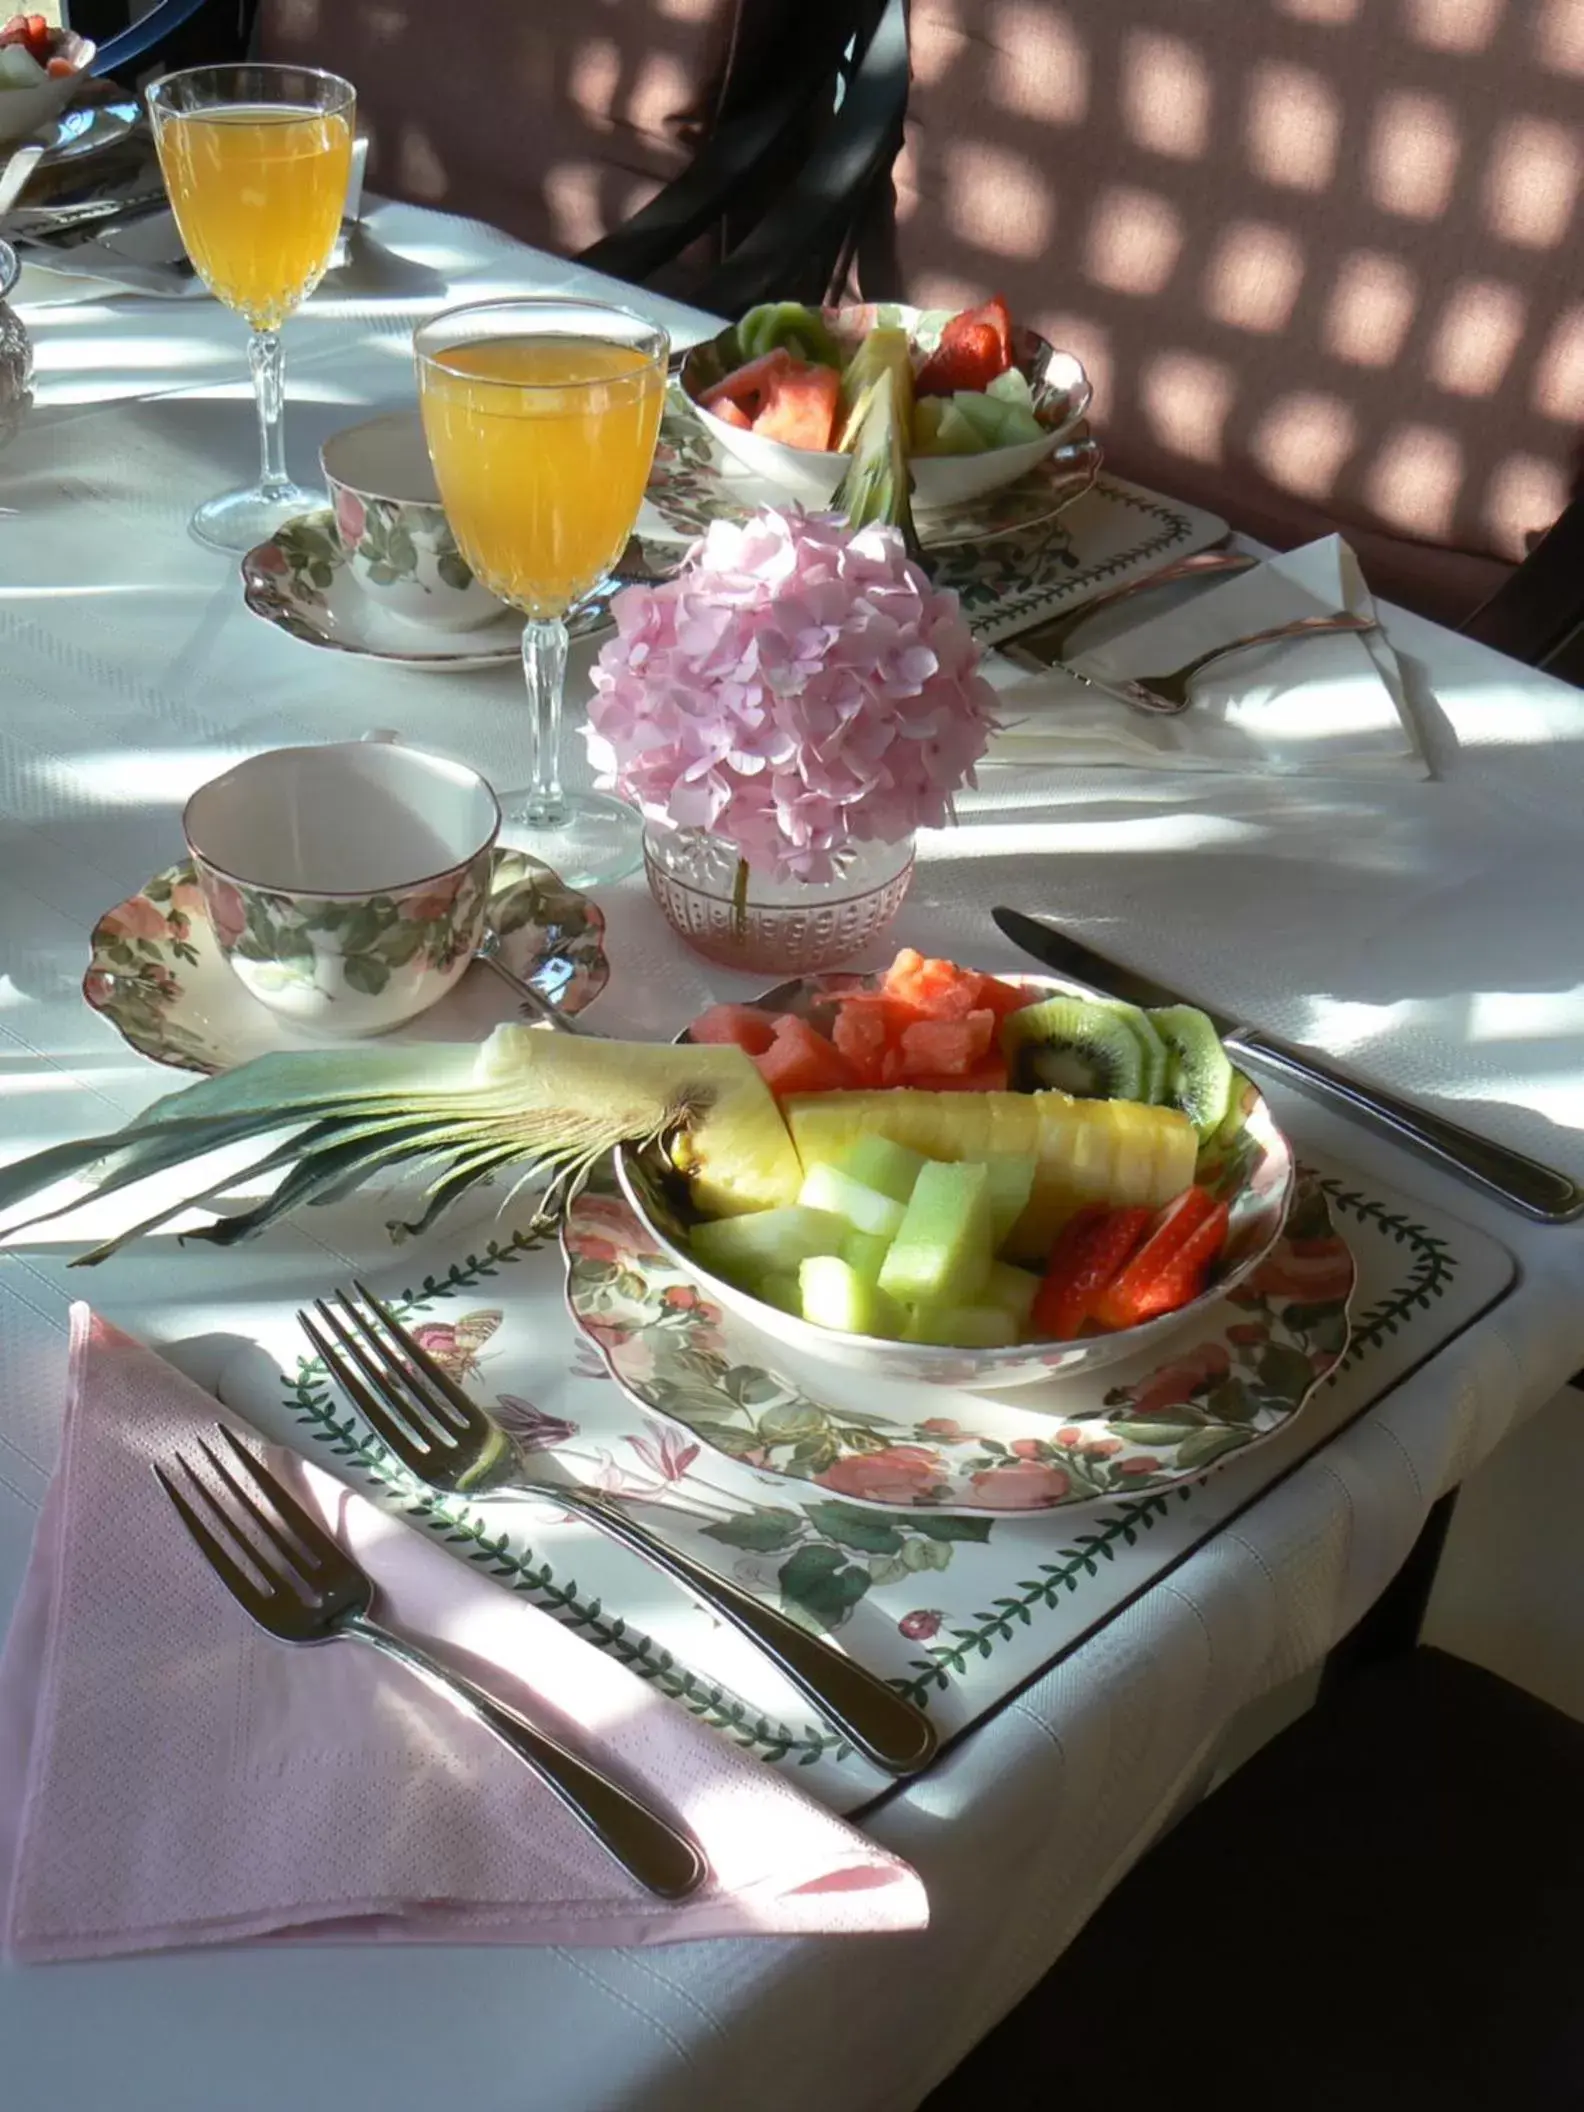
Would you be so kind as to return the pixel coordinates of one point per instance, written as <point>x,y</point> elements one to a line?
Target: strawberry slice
<point>1171,1266</point>
<point>996,314</point>
<point>1090,1250</point>
<point>970,362</point>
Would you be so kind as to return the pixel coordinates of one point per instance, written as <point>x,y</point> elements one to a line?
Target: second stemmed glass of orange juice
<point>256,160</point>
<point>541,417</point>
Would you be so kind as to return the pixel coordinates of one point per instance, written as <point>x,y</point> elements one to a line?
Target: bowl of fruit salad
<point>41,68</point>
<point>986,401</point>
<point>997,1180</point>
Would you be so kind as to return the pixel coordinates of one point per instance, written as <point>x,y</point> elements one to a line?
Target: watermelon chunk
<point>747,386</point>
<point>741,1026</point>
<point>860,1032</point>
<point>935,989</point>
<point>801,1061</point>
<point>1002,998</point>
<point>950,1045</point>
<point>989,1076</point>
<point>799,407</point>
<point>730,413</point>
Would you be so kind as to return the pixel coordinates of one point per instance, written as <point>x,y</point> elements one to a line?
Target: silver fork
<point>1164,696</point>
<point>1050,640</point>
<point>310,1590</point>
<point>441,1435</point>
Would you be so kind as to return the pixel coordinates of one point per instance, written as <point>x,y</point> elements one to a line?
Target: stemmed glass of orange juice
<point>541,418</point>
<point>256,160</point>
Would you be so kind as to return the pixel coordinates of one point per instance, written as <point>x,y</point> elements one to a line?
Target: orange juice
<point>541,447</point>
<point>258,192</point>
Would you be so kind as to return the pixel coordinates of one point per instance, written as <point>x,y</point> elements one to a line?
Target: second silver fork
<point>443,1437</point>
<point>1165,695</point>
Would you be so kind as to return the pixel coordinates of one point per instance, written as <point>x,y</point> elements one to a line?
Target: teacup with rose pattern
<point>392,528</point>
<point>347,885</point>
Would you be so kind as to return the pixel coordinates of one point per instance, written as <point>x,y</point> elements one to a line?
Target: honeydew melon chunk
<point>866,1253</point>
<point>1012,387</point>
<point>983,413</point>
<point>836,1296</point>
<point>1011,1185</point>
<point>19,68</point>
<point>878,1163</point>
<point>783,1289</point>
<point>997,422</point>
<point>864,1208</point>
<point>766,1242</point>
<point>944,1245</point>
<point>1084,1151</point>
<point>1012,1289</point>
<point>962,1326</point>
<point>954,435</point>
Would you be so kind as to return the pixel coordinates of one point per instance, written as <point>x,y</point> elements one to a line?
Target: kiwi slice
<point>1199,1074</point>
<point>1154,1052</point>
<point>1071,1045</point>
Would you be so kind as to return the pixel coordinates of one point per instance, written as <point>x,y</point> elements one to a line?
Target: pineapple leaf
<point>878,485</point>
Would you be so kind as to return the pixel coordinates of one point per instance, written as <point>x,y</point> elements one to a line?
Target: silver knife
<point>1118,688</point>
<point>1539,1191</point>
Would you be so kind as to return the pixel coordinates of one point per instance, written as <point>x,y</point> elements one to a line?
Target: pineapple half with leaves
<point>526,1104</point>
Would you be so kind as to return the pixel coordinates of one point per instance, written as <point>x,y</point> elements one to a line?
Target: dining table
<point>1427,933</point>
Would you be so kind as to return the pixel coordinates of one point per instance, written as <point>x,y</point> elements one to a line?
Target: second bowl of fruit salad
<point>1003,1178</point>
<point>986,400</point>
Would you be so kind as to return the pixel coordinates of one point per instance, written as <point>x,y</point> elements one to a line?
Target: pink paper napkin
<point>170,1775</point>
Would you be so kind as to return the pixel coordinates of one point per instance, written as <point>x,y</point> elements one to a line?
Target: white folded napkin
<point>1322,706</point>
<point>144,257</point>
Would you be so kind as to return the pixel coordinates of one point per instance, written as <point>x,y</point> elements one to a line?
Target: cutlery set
<point>295,1580</point>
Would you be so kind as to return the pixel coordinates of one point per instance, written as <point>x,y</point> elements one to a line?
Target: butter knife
<point>1522,1183</point>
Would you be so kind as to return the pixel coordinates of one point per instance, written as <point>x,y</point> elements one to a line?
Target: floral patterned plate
<point>300,582</point>
<point>1239,1373</point>
<point>694,482</point>
<point>160,979</point>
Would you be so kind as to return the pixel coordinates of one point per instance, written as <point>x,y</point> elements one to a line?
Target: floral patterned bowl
<point>1249,1162</point>
<point>398,542</point>
<point>347,885</point>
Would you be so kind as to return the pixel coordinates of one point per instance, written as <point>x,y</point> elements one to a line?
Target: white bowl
<point>1257,1175</point>
<point>390,522</point>
<point>1062,394</point>
<point>346,885</point>
<point>24,111</point>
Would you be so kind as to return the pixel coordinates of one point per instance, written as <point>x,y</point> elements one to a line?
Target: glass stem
<point>269,392</point>
<point>544,651</point>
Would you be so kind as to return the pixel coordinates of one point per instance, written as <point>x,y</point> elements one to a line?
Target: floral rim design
<point>151,952</point>
<point>1247,1368</point>
<point>405,932</point>
<point>822,1555</point>
<point>376,530</point>
<point>290,579</point>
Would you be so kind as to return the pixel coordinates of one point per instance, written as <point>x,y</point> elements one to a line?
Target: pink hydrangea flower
<point>795,688</point>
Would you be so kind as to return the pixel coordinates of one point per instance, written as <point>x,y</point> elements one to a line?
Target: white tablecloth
<point>1429,933</point>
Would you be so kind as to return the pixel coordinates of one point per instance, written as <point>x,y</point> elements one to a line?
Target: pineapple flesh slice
<point>732,1142</point>
<point>1083,1151</point>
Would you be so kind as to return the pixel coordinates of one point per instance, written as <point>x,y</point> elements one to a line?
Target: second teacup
<point>348,886</point>
<point>392,527</point>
